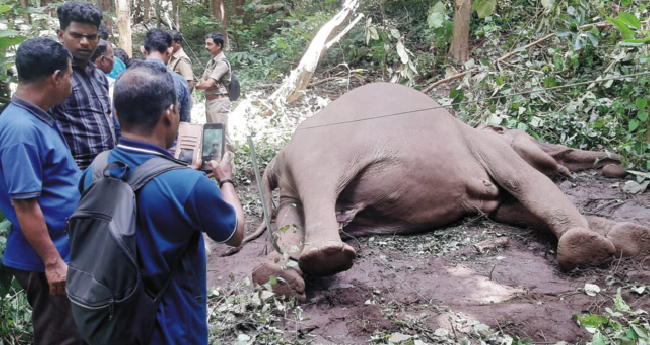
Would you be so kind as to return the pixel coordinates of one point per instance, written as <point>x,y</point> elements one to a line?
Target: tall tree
<point>219,12</point>
<point>137,12</point>
<point>147,8</point>
<point>177,20</point>
<point>237,7</point>
<point>123,9</point>
<point>158,13</point>
<point>24,4</point>
<point>459,49</point>
<point>105,6</point>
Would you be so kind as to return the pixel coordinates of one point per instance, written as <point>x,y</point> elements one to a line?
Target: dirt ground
<point>437,280</point>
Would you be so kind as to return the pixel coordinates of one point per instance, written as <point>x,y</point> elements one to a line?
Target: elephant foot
<point>582,247</point>
<point>289,279</point>
<point>327,259</point>
<point>630,240</point>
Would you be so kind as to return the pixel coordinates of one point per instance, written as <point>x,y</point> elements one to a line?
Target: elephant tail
<point>269,183</point>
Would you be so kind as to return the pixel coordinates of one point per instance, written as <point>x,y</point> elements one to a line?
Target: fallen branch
<point>338,37</point>
<point>316,83</point>
<point>267,86</point>
<point>323,81</point>
<point>440,82</point>
<point>299,78</point>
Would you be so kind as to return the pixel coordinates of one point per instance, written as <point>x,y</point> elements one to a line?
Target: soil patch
<point>437,281</point>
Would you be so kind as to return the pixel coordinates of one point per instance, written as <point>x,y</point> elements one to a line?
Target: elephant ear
<point>498,129</point>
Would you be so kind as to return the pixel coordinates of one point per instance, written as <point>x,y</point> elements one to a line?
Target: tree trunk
<point>177,20</point>
<point>219,12</point>
<point>147,8</point>
<point>459,49</point>
<point>137,12</point>
<point>124,24</point>
<point>300,77</point>
<point>28,18</point>
<point>45,3</point>
<point>237,7</point>
<point>105,6</point>
<point>158,13</point>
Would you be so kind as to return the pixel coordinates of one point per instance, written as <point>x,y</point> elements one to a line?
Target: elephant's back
<point>377,105</point>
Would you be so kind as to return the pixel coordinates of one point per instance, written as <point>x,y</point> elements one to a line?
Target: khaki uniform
<point>181,64</point>
<point>216,110</point>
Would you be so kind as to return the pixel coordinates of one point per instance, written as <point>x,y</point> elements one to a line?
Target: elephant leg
<point>630,240</point>
<point>289,281</point>
<point>515,213</point>
<point>324,253</point>
<point>577,245</point>
<point>290,236</point>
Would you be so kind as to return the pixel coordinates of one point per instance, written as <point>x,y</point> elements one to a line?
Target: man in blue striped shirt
<point>85,117</point>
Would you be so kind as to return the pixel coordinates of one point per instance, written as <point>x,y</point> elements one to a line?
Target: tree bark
<point>158,13</point>
<point>300,77</point>
<point>237,7</point>
<point>105,6</point>
<point>459,49</point>
<point>147,9</point>
<point>124,24</point>
<point>177,20</point>
<point>219,12</point>
<point>137,12</point>
<point>28,18</point>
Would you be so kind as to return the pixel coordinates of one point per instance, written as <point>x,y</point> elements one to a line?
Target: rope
<point>473,101</point>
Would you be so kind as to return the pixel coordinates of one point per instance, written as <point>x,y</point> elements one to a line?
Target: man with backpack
<point>173,206</point>
<point>38,187</point>
<point>215,84</point>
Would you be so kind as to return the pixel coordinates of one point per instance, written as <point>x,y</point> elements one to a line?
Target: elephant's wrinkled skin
<point>418,171</point>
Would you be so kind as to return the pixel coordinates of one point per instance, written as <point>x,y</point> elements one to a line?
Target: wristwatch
<point>222,182</point>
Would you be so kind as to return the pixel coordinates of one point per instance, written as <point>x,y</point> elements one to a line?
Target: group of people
<point>76,99</point>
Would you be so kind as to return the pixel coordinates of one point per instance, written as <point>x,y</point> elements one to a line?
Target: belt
<point>211,97</point>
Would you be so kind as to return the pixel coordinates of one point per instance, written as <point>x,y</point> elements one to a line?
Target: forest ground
<point>436,282</point>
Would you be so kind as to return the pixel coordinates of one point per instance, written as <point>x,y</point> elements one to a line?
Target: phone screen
<point>212,144</point>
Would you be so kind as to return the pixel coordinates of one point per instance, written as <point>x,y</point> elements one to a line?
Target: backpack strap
<point>99,164</point>
<point>150,169</point>
<point>229,69</point>
<point>137,179</point>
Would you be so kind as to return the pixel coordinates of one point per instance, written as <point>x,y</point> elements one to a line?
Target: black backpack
<point>110,304</point>
<point>234,89</point>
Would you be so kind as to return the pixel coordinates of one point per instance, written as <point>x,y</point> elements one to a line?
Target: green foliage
<point>441,27</point>
<point>389,42</point>
<point>623,326</point>
<point>484,8</point>
<point>610,115</point>
<point>15,314</point>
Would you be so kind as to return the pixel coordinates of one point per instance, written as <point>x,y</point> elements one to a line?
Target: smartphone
<point>188,143</point>
<point>214,144</point>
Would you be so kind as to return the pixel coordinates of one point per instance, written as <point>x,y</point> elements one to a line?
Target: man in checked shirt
<point>85,117</point>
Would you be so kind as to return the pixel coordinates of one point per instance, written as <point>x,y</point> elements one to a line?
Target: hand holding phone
<point>221,170</point>
<point>214,145</point>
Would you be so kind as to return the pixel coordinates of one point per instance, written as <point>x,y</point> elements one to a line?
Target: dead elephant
<point>373,172</point>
